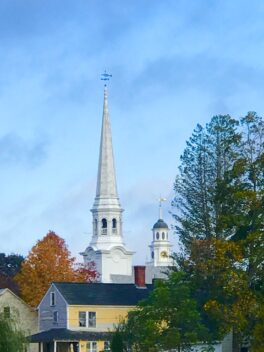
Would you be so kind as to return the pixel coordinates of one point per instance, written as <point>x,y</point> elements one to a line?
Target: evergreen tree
<point>199,202</point>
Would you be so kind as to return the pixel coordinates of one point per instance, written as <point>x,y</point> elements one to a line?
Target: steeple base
<point>114,261</point>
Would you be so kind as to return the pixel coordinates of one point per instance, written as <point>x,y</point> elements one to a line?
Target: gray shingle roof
<point>102,293</point>
<point>69,335</point>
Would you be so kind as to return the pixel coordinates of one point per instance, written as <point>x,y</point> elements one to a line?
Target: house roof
<point>69,335</point>
<point>102,293</point>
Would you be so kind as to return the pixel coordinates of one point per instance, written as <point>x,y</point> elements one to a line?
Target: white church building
<point>107,248</point>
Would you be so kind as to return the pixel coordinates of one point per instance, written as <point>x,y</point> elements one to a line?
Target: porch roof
<point>69,335</point>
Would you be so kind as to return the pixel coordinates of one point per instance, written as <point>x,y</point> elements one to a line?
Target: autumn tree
<point>50,260</point>
<point>219,208</point>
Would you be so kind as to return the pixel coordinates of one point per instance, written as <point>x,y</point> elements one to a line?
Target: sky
<point>174,64</point>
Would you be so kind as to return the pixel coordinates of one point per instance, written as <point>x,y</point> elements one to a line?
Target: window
<point>91,319</point>
<point>55,317</point>
<point>87,319</point>
<point>152,255</point>
<point>52,299</point>
<point>163,235</point>
<point>157,236</point>
<point>91,346</point>
<point>82,319</point>
<point>114,223</point>
<point>95,224</point>
<point>7,312</point>
<point>107,346</point>
<point>104,223</point>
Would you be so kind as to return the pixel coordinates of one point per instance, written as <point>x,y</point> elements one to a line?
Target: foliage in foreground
<point>218,283</point>
<point>48,261</point>
<point>12,339</point>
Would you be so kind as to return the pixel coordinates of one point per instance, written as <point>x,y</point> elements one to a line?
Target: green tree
<point>168,319</point>
<point>199,203</point>
<point>117,344</point>
<point>12,339</point>
<point>219,194</point>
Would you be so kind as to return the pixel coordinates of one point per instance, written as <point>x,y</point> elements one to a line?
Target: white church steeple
<point>107,247</point>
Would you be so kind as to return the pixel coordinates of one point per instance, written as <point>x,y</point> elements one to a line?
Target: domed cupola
<point>160,224</point>
<point>160,248</point>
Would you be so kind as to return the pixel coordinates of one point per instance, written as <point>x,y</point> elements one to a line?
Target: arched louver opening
<point>104,226</point>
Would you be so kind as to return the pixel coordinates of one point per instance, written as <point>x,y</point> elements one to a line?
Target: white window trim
<point>57,313</point>
<point>52,294</point>
<point>91,345</point>
<point>87,319</point>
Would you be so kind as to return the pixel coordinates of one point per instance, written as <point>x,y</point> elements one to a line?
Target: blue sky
<point>174,64</point>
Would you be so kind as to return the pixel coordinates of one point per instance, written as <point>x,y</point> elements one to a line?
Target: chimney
<point>139,271</point>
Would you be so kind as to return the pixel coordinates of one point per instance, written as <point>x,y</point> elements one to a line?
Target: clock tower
<point>160,248</point>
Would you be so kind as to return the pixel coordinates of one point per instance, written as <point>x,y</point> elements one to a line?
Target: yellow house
<point>80,316</point>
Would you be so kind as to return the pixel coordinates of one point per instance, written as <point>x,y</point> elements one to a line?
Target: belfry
<point>107,248</point>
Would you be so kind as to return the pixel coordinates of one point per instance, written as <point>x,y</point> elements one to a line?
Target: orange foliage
<point>48,261</point>
<point>218,266</point>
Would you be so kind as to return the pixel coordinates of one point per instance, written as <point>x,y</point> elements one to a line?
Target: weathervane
<point>105,77</point>
<point>161,199</point>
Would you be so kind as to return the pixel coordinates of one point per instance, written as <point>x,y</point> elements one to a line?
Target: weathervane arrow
<point>105,76</point>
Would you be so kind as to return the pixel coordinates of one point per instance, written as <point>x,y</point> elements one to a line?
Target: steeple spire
<point>106,177</point>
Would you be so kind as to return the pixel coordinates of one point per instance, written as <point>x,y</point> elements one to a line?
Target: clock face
<point>164,254</point>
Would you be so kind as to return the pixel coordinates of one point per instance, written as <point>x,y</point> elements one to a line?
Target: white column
<point>55,346</point>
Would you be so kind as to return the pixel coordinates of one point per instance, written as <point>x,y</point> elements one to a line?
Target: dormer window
<point>52,299</point>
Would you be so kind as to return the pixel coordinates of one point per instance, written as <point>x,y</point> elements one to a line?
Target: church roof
<point>160,224</point>
<point>102,293</point>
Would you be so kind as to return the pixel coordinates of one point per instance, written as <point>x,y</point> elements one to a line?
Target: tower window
<point>104,223</point>
<point>95,224</point>
<point>163,235</point>
<point>152,255</point>
<point>157,235</point>
<point>114,223</point>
